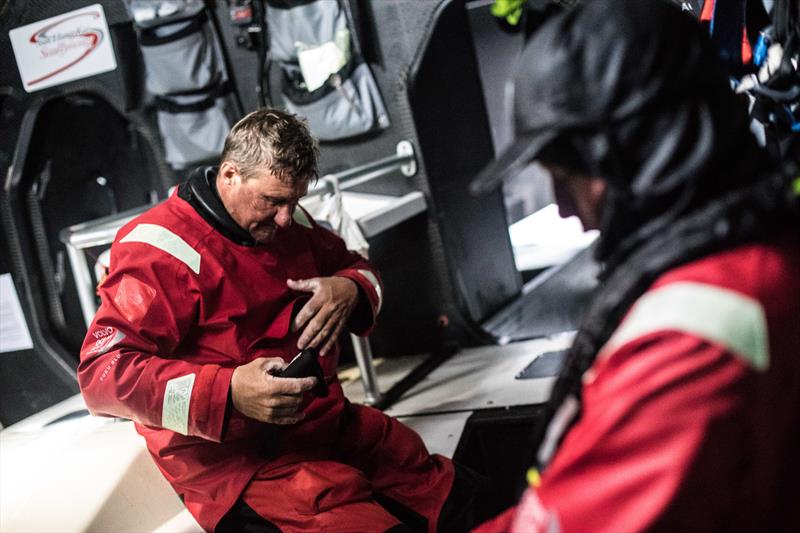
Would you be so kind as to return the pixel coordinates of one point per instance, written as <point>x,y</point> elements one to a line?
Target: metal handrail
<point>404,160</point>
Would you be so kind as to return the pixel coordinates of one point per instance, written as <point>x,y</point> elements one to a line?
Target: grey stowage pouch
<point>186,78</point>
<point>343,107</point>
<point>323,76</point>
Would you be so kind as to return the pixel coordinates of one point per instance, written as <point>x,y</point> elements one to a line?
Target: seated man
<point>679,406</point>
<point>211,293</point>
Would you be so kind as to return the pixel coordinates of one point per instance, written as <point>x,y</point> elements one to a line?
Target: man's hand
<point>258,394</point>
<point>326,313</point>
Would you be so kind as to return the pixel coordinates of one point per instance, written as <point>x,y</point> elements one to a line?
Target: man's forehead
<point>268,183</point>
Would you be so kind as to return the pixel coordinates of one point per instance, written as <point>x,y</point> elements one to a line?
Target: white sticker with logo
<point>175,411</point>
<point>68,47</point>
<point>105,339</point>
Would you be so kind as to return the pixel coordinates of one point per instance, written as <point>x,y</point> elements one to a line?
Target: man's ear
<point>229,173</point>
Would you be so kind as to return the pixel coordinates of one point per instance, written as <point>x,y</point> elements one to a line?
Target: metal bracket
<point>405,151</point>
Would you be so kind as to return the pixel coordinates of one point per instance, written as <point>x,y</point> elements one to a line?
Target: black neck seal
<point>201,193</point>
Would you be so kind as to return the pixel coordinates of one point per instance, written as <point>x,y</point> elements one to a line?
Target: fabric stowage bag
<point>186,78</point>
<point>329,208</point>
<point>324,78</point>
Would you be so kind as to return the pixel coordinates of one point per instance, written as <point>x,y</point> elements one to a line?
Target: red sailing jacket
<point>691,410</point>
<point>181,308</point>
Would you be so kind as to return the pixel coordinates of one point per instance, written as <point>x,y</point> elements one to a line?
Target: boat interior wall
<point>68,153</point>
<point>91,147</point>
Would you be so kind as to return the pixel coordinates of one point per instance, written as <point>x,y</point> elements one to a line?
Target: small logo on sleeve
<point>105,339</point>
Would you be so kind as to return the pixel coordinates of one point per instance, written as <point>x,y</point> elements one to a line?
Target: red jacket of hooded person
<point>182,307</point>
<point>690,411</point>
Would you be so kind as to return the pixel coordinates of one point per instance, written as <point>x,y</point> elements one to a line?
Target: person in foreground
<point>208,296</point>
<point>679,405</point>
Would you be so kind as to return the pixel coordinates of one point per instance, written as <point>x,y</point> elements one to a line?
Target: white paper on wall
<point>14,334</point>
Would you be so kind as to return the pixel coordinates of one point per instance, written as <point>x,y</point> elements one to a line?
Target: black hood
<point>201,193</point>
<point>672,136</point>
<point>631,92</point>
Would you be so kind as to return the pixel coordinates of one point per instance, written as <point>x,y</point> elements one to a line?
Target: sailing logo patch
<point>64,48</point>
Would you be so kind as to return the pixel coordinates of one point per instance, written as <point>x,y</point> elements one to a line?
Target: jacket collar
<point>201,193</point>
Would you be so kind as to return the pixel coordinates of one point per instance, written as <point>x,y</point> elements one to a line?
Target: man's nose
<point>283,218</point>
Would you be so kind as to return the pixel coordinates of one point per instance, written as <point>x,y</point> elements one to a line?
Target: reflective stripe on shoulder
<point>177,397</point>
<point>377,286</point>
<point>719,315</point>
<point>167,241</point>
<point>301,217</point>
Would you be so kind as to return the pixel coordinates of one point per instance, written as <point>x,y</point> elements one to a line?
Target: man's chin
<point>263,237</point>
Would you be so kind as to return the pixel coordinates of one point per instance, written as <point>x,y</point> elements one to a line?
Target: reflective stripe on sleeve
<point>177,397</point>
<point>167,241</point>
<point>377,286</point>
<point>718,315</point>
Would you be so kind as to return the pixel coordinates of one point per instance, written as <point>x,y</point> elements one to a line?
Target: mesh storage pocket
<point>180,61</point>
<point>190,89</point>
<point>195,132</point>
<point>323,80</point>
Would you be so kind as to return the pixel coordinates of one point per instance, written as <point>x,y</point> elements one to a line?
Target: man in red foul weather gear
<point>208,296</point>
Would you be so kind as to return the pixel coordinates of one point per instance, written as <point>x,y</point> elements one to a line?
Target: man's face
<point>261,205</point>
<point>577,195</point>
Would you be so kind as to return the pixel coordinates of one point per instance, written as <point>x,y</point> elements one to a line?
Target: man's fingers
<point>323,316</point>
<point>312,306</point>
<point>331,340</point>
<point>283,401</point>
<point>271,365</point>
<point>292,385</point>
<point>258,394</point>
<point>303,285</point>
<point>312,329</point>
<point>324,333</point>
<point>304,315</point>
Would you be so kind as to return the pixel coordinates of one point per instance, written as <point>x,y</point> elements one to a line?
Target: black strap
<point>215,90</point>
<point>288,4</point>
<point>300,96</point>
<point>149,37</point>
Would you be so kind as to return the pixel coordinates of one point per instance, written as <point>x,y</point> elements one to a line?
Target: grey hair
<point>273,140</point>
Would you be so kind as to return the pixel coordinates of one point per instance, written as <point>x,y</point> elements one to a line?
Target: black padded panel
<point>27,383</point>
<point>550,303</point>
<point>455,143</point>
<point>65,136</point>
